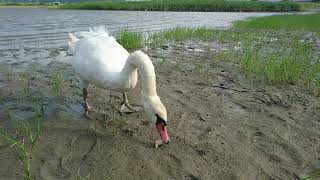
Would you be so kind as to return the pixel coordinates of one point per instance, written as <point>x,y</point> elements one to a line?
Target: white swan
<point>100,60</point>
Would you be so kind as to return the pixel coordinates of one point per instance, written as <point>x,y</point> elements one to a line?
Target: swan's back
<point>98,56</point>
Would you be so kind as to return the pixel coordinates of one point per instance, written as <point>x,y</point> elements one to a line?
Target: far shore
<point>177,5</point>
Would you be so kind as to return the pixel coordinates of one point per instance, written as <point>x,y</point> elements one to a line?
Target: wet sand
<point>222,125</point>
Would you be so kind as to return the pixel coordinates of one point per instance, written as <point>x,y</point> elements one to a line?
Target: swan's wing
<point>113,55</point>
<point>98,54</point>
<point>103,52</point>
<point>98,57</point>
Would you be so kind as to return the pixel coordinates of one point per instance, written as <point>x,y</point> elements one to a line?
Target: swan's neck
<point>146,70</point>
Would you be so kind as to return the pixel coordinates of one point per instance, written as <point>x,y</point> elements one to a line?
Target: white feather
<point>100,60</point>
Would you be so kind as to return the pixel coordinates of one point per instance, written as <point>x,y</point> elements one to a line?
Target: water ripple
<point>41,28</point>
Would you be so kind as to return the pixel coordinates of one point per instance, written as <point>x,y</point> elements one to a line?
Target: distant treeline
<point>188,5</point>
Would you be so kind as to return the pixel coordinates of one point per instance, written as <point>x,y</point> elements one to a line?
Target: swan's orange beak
<point>162,128</point>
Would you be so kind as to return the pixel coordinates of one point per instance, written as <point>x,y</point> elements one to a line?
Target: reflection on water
<point>40,28</point>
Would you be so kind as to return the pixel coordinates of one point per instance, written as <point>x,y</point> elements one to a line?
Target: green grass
<point>188,5</point>
<point>275,57</point>
<point>313,176</point>
<point>202,33</point>
<point>307,22</point>
<point>130,40</point>
<point>58,82</point>
<point>300,66</point>
<point>277,67</point>
<point>310,5</point>
<point>30,133</point>
<point>26,89</point>
<point>182,34</point>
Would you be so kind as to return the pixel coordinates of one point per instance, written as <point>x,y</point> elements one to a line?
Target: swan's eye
<point>160,120</point>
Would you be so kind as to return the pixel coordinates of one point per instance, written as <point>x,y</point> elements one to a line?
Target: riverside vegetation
<point>262,51</point>
<point>188,5</point>
<point>177,5</point>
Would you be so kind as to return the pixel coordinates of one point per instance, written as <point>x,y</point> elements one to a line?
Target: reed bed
<point>188,5</point>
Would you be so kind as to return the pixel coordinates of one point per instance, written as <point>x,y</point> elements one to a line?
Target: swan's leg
<point>126,102</point>
<point>85,98</point>
<point>87,107</point>
<point>126,107</point>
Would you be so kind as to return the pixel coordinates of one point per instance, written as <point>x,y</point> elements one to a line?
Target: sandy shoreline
<point>222,126</point>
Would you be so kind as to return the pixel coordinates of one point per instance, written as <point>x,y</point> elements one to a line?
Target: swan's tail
<point>99,31</point>
<point>72,42</point>
<point>94,31</point>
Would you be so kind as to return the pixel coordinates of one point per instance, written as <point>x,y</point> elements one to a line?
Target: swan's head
<point>156,112</point>
<point>153,106</point>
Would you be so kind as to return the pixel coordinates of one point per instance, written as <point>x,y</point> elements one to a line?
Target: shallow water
<point>43,28</point>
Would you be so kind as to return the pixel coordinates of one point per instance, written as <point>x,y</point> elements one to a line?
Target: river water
<point>43,28</point>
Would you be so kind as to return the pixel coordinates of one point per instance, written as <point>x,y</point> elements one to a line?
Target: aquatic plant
<point>130,40</point>
<point>8,73</point>
<point>26,88</point>
<point>24,158</point>
<point>25,128</point>
<point>27,77</point>
<point>57,82</point>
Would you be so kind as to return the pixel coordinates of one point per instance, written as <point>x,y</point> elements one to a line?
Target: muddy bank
<point>222,125</point>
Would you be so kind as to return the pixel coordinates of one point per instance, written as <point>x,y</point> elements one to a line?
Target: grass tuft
<point>32,134</point>
<point>279,67</point>
<point>130,40</point>
<point>58,82</point>
<point>26,88</point>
